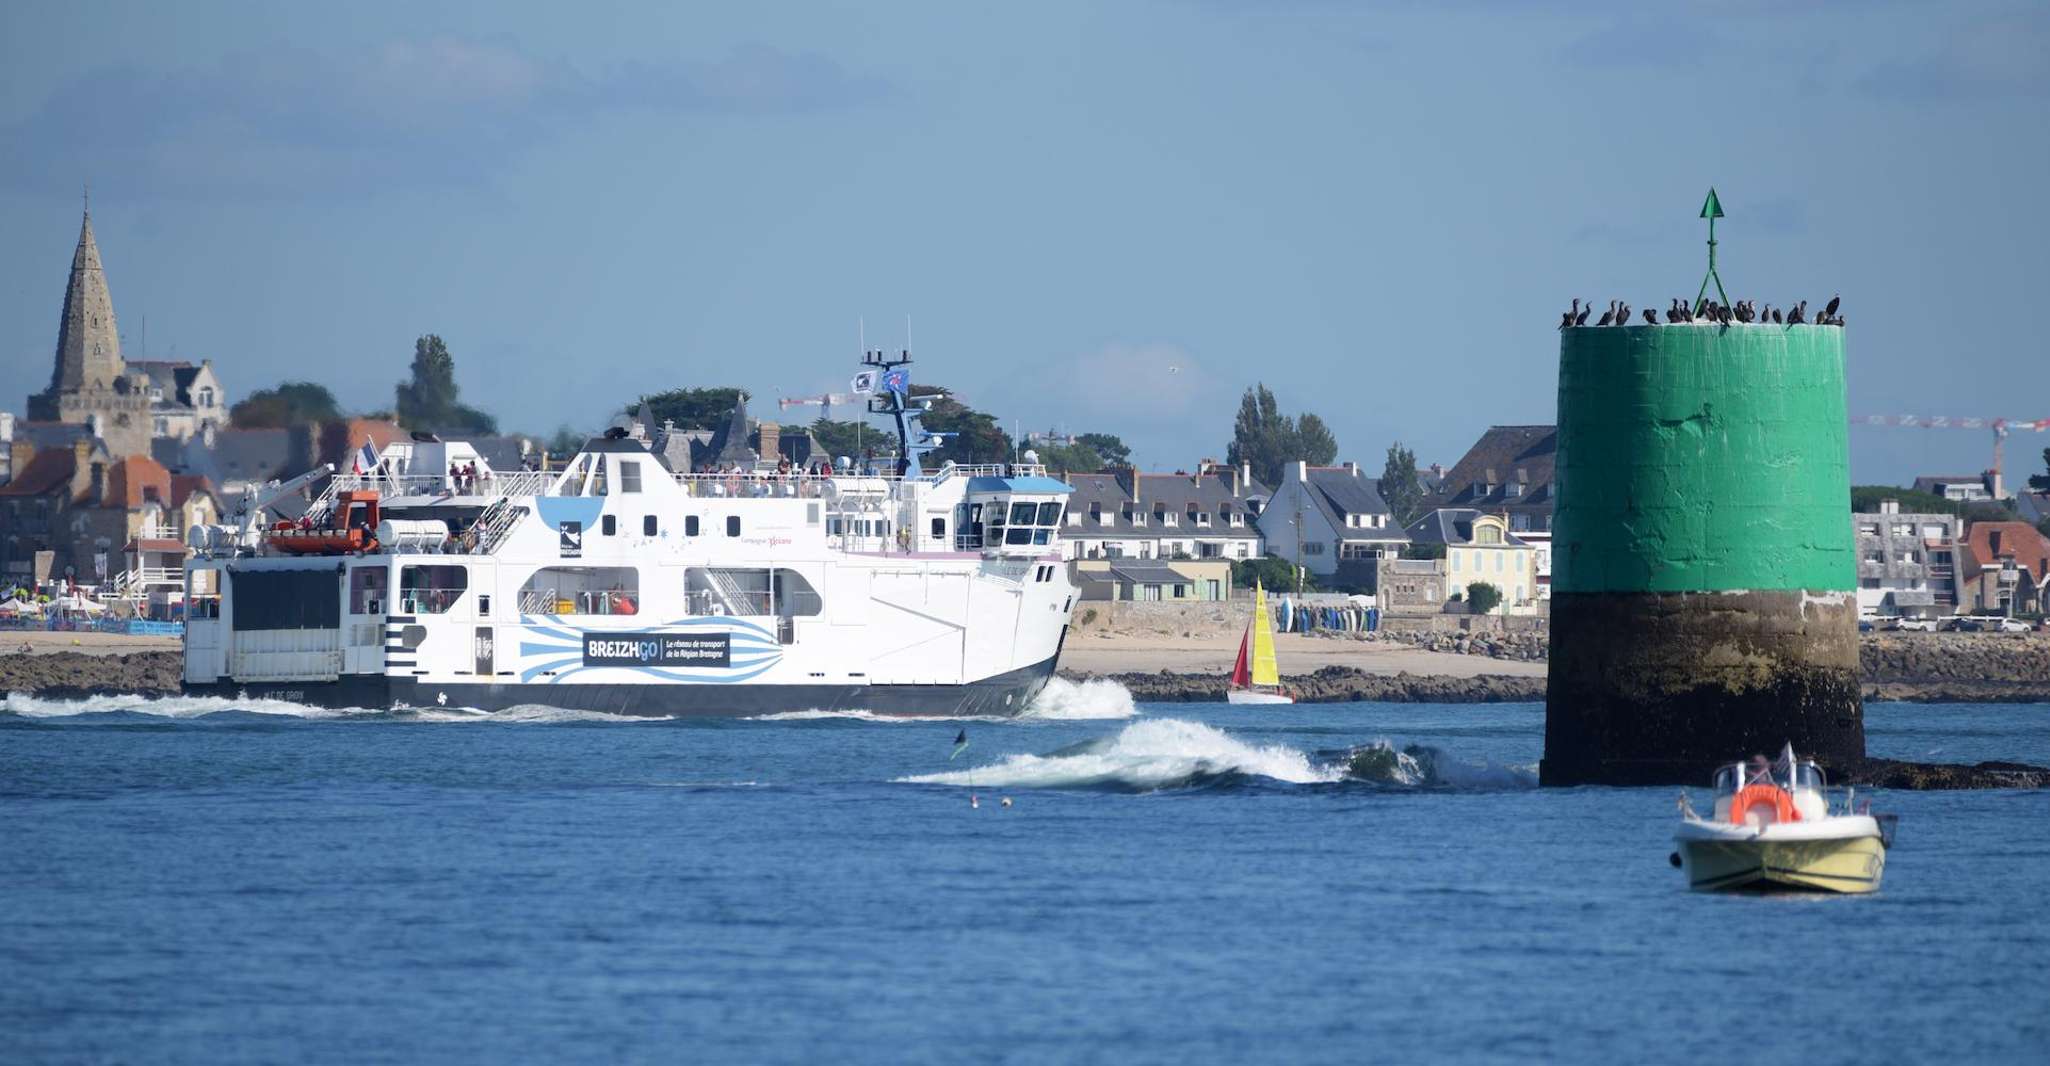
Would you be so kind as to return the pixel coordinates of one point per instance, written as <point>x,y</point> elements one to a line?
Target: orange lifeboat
<point>351,528</point>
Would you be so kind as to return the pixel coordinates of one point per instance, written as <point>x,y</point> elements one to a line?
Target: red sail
<point>1241,673</point>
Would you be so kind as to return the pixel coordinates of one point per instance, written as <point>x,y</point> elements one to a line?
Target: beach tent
<point>79,604</point>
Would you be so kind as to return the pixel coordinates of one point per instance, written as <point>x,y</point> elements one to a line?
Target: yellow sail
<point>1265,672</point>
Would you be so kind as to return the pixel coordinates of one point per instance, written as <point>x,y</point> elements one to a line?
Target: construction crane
<point>2001,427</point>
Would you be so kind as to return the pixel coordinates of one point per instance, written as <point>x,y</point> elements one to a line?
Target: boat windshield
<point>1806,775</point>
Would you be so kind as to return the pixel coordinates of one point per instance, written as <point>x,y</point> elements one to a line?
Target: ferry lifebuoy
<point>1781,802</point>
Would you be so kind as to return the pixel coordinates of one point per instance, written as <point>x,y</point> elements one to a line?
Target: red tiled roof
<point>50,470</point>
<point>129,481</point>
<point>2030,549</point>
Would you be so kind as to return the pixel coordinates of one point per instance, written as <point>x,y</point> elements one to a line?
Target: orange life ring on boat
<point>1750,796</point>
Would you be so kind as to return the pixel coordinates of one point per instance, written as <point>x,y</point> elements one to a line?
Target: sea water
<point>206,881</point>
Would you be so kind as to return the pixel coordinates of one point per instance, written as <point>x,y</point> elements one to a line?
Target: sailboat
<point>1255,678</point>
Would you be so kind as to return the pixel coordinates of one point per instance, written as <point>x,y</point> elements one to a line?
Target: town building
<point>1907,563</point>
<point>1332,522</point>
<point>127,405</point>
<point>1964,488</point>
<point>2033,507</point>
<point>1123,514</point>
<point>2003,568</point>
<point>1481,547</point>
<point>1411,586</point>
<point>1152,580</point>
<point>1508,471</point>
<point>89,515</point>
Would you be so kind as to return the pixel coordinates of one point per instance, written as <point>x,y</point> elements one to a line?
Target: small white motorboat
<point>1256,678</point>
<point>1773,829</point>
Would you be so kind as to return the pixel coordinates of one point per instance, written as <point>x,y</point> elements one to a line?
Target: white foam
<point>1096,698</point>
<point>167,706</point>
<point>1149,754</point>
<point>186,707</point>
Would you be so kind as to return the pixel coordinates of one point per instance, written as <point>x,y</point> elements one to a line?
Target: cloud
<point>432,111</point>
<point>1988,59</point>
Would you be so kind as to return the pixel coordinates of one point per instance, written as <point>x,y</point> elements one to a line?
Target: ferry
<point>615,584</point>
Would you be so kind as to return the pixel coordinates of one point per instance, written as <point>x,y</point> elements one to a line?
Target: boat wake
<point>1170,753</point>
<point>198,708</point>
<point>1423,766</point>
<point>1096,698</point>
<point>1157,753</point>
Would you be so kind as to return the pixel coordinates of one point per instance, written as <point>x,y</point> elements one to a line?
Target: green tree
<point>2041,482</point>
<point>2043,526</point>
<point>846,439</point>
<point>292,403</point>
<point>1107,447</point>
<point>1865,499</point>
<point>565,441</point>
<point>707,409</point>
<point>429,400</point>
<point>1272,571</point>
<point>1399,485</point>
<point>974,437</point>
<point>1269,439</point>
<point>1076,458</point>
<point>1482,597</point>
<point>1424,550</point>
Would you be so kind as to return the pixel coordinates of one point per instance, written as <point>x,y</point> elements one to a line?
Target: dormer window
<point>1237,519</point>
<point>1165,518</point>
<point>1200,518</point>
<point>1137,518</point>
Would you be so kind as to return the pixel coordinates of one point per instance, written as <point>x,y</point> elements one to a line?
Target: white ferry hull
<point>1004,695</point>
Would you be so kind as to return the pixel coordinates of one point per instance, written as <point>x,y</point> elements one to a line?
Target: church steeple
<point>88,343</point>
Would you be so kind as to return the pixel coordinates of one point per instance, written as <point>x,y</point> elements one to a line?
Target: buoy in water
<point>1007,801</point>
<point>974,801</point>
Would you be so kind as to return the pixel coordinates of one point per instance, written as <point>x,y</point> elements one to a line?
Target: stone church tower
<point>90,379</point>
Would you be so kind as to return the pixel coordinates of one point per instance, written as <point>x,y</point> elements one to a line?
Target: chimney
<point>1245,478</point>
<point>1352,468</point>
<point>1128,482</point>
<point>6,426</point>
<point>771,436</point>
<point>1889,507</point>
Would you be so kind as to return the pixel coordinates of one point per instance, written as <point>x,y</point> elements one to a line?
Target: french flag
<point>366,458</point>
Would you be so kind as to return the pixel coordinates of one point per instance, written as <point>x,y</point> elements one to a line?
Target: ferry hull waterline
<point>628,583</point>
<point>1002,696</point>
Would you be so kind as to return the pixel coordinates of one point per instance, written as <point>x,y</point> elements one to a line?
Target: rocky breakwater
<point>68,675</point>
<point>1339,684</point>
<point>1956,667</point>
<point>1520,645</point>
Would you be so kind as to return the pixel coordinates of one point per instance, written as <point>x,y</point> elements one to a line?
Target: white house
<point>1331,521</point>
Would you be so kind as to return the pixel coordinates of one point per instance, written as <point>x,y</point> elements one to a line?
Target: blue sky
<point>1377,209</point>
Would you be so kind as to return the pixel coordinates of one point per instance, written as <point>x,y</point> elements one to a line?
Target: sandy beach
<point>42,642</point>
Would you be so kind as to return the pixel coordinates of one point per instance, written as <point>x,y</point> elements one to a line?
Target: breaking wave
<point>859,715</point>
<point>1096,698</point>
<point>1423,766</point>
<point>1156,753</point>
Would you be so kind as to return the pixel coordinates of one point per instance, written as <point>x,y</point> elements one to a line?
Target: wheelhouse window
<point>629,475</point>
<point>431,589</point>
<point>585,590</point>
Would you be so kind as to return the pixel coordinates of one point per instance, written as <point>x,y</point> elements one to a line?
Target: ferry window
<point>609,524</point>
<point>939,528</point>
<point>1021,514</point>
<point>1049,514</point>
<point>603,590</point>
<point>647,525</point>
<point>750,591</point>
<point>690,525</point>
<point>598,487</point>
<point>1019,535</point>
<point>1042,536</point>
<point>431,589</point>
<point>366,589</point>
<point>733,525</point>
<point>483,605</point>
<point>629,476</point>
